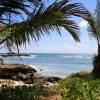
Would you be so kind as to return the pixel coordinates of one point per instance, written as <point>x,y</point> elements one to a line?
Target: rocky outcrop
<point>16,71</point>
<point>53,79</point>
<point>47,79</point>
<point>21,72</point>
<point>14,54</point>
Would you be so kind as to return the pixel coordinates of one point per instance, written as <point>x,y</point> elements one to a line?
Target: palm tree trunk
<point>98,50</point>
<point>96,64</point>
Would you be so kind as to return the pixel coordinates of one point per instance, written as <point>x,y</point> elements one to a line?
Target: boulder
<point>49,79</point>
<point>16,71</point>
<point>53,79</point>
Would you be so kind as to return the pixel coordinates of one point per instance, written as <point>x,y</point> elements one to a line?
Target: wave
<point>72,56</point>
<point>51,71</point>
<point>77,57</point>
<point>67,56</point>
<point>83,57</point>
<point>88,57</point>
<point>31,56</point>
<point>38,68</point>
<point>47,71</point>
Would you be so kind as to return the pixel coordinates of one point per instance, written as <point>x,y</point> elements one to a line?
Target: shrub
<point>23,92</point>
<point>80,87</point>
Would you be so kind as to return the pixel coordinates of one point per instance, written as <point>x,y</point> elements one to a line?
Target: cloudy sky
<point>65,44</point>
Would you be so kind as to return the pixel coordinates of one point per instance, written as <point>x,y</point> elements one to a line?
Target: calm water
<point>59,65</point>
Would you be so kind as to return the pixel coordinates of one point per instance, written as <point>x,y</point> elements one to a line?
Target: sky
<point>65,44</point>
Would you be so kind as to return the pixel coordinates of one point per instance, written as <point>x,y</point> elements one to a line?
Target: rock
<point>16,71</point>
<point>21,76</point>
<point>53,79</point>
<point>14,54</point>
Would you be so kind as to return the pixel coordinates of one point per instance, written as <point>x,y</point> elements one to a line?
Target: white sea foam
<point>88,57</point>
<point>48,71</point>
<point>38,68</point>
<point>31,56</point>
<point>67,56</point>
<point>78,57</point>
<point>82,57</point>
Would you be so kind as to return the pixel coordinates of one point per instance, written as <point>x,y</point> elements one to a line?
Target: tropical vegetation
<point>80,86</point>
<point>36,92</point>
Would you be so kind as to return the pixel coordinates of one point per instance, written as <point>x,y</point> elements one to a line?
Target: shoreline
<point>20,74</point>
<point>14,54</point>
<point>54,65</point>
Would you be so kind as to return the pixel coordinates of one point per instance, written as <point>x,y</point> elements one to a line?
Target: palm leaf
<point>95,30</point>
<point>16,7</point>
<point>43,20</point>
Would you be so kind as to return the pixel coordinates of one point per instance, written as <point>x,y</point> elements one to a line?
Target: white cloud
<point>83,24</point>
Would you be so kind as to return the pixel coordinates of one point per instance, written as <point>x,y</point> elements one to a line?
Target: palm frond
<point>43,20</point>
<point>95,30</point>
<point>16,7</point>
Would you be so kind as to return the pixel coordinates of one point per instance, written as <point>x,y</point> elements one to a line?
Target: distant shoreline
<point>14,54</point>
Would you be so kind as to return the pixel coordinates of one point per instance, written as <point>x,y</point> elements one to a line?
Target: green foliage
<point>23,92</point>
<point>80,87</point>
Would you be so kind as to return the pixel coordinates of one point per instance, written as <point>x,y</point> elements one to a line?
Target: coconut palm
<point>95,33</point>
<point>44,19</point>
<point>95,30</point>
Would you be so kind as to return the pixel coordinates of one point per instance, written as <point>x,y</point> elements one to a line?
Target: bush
<point>80,87</point>
<point>23,92</point>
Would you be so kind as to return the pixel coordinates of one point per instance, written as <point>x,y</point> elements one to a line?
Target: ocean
<point>58,65</point>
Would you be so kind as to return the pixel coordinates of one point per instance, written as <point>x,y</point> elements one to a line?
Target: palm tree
<point>95,33</point>
<point>44,19</point>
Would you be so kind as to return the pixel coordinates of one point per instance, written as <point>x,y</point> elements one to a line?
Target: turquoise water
<point>59,65</point>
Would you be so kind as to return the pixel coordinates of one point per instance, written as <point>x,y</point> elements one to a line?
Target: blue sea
<point>59,65</point>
